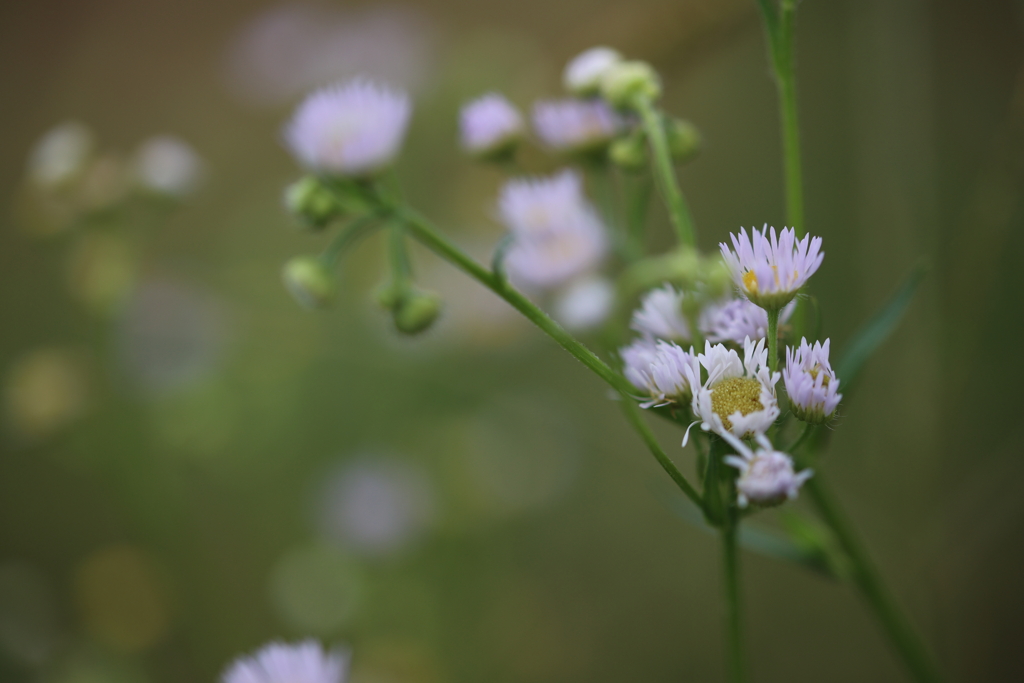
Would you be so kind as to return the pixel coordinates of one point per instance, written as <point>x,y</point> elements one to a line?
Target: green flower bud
<point>310,281</point>
<point>630,152</point>
<point>314,204</point>
<point>624,82</point>
<point>684,140</point>
<point>417,312</point>
<point>389,296</point>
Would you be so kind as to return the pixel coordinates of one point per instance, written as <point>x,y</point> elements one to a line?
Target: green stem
<point>401,268</point>
<point>731,576</point>
<point>773,340</point>
<point>780,27</point>
<point>805,434</point>
<point>899,630</point>
<point>636,421</point>
<point>422,230</point>
<point>665,172</point>
<point>348,236</point>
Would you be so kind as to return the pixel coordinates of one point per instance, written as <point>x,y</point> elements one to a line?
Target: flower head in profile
<point>660,315</point>
<point>738,397</point>
<point>349,129</point>
<point>305,662</point>
<point>575,126</point>
<point>767,476</point>
<point>557,234</point>
<point>736,319</point>
<point>490,126</point>
<point>811,383</point>
<point>768,269</point>
<point>661,370</point>
<point>583,73</point>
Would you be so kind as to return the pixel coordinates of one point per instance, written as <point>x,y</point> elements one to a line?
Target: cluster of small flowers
<point>736,398</point>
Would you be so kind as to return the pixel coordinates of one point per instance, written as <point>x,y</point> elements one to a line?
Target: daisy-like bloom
<point>349,129</point>
<point>557,234</point>
<point>767,476</point>
<point>768,269</point>
<point>305,662</point>
<point>738,396</point>
<point>575,126</point>
<point>490,125</point>
<point>661,315</point>
<point>661,370</point>
<point>736,319</point>
<point>582,75</point>
<point>811,383</point>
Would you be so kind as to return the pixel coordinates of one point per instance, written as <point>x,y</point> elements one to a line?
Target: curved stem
<point>348,236</point>
<point>636,421</point>
<point>664,171</point>
<point>422,230</point>
<point>896,626</point>
<point>731,576</point>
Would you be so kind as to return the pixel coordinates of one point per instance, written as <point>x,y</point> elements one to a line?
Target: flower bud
<point>310,281</point>
<point>624,82</point>
<point>630,152</point>
<point>314,204</point>
<point>417,312</point>
<point>582,76</point>
<point>684,140</point>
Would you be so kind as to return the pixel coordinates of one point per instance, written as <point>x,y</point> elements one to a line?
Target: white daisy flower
<point>767,476</point>
<point>661,315</point>
<point>770,270</point>
<point>557,234</point>
<point>738,397</point>
<point>582,75</point>
<point>490,125</point>
<point>305,662</point>
<point>736,319</point>
<point>349,129</point>
<point>575,126</point>
<point>811,384</point>
<point>661,370</point>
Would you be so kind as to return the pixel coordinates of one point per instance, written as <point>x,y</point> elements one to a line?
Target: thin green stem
<point>896,626</point>
<point>805,434</point>
<point>398,252</point>
<point>773,340</point>
<point>423,231</point>
<point>731,581</point>
<point>664,171</point>
<point>636,421</point>
<point>348,236</point>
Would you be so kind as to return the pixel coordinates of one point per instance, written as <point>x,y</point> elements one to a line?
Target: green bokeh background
<point>913,129</point>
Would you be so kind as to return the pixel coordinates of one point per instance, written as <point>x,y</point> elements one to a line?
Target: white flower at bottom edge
<point>766,476</point>
<point>662,370</point>
<point>738,397</point>
<point>305,662</point>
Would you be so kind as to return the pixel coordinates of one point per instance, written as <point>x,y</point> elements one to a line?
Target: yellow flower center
<point>750,281</point>
<point>813,372</point>
<point>736,394</point>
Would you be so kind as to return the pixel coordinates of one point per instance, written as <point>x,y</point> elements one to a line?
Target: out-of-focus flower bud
<point>417,312</point>
<point>630,152</point>
<point>684,140</point>
<point>491,128</point>
<point>168,166</point>
<point>624,82</point>
<point>310,281</point>
<point>717,276</point>
<point>314,204</point>
<point>582,75</point>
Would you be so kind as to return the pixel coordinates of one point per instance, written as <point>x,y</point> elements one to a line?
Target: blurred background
<point>191,465</point>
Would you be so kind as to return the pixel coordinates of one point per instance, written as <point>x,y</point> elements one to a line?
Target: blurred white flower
<point>736,319</point>
<point>167,165</point>
<point>305,662</point>
<point>490,125</point>
<point>575,126</point>
<point>557,234</point>
<point>375,505</point>
<point>349,129</point>
<point>660,315</point>
<point>61,154</point>
<point>582,75</point>
<point>767,476</point>
<point>585,303</point>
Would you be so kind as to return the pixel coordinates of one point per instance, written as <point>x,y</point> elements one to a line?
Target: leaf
<point>878,328</point>
<point>761,541</point>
